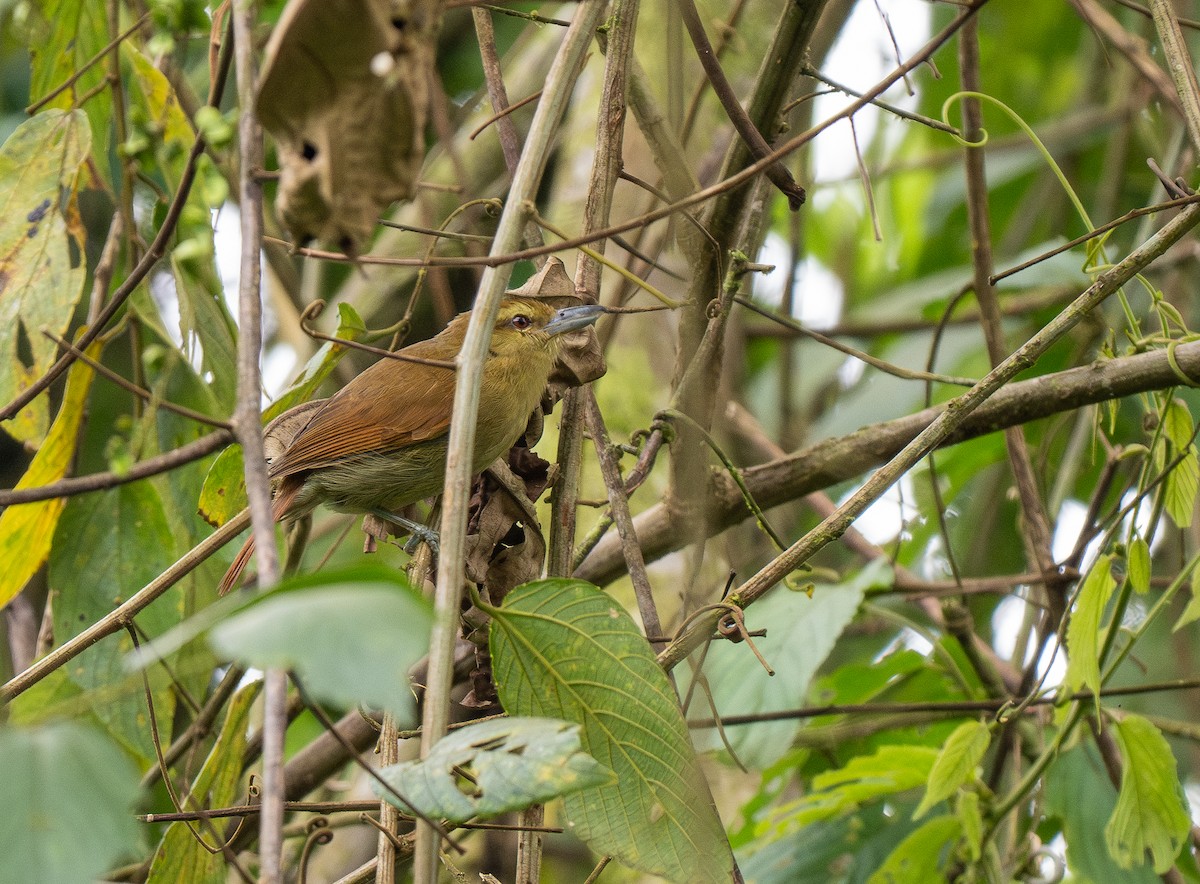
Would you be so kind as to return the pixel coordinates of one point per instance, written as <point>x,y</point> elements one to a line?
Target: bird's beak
<point>571,319</point>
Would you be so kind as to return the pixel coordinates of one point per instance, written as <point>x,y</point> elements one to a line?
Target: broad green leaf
<point>349,636</point>
<point>1151,814</point>
<point>854,845</point>
<point>66,804</point>
<point>922,855</point>
<point>564,649</point>
<point>107,546</point>
<point>865,778</point>
<point>72,34</point>
<point>41,245</point>
<point>1084,630</point>
<point>491,767</point>
<point>971,817</point>
<point>1183,481</point>
<point>26,529</point>
<point>224,494</point>
<point>1192,612</point>
<point>1179,491</point>
<point>956,764</point>
<point>205,325</point>
<point>1081,797</point>
<point>801,632</point>
<point>180,857</point>
<point>1139,565</point>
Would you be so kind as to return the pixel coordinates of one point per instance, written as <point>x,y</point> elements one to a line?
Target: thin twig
<point>909,374</point>
<point>448,592</point>
<point>153,255</point>
<point>619,504</point>
<point>248,427</point>
<point>754,140</point>
<point>146,395</point>
<point>143,469</point>
<point>86,66</point>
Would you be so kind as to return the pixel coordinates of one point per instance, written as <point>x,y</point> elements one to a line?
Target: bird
<point>380,443</point>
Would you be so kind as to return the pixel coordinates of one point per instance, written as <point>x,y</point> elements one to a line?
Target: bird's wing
<point>371,414</point>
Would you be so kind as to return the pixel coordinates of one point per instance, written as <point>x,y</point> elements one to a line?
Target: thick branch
<point>838,460</point>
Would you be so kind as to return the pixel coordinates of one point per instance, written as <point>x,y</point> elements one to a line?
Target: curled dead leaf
<point>344,91</point>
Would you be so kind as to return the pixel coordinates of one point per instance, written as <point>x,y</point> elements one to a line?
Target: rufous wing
<point>391,405</point>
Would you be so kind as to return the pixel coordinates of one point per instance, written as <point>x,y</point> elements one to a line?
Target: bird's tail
<point>283,502</point>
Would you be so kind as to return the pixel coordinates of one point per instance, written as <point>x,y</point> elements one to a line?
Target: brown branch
<point>847,457</point>
<point>115,620</point>
<point>966,707</point>
<point>753,139</point>
<point>162,463</point>
<point>701,196</point>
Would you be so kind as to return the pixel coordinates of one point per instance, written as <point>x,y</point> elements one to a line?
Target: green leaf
<point>956,763</point>
<point>889,771</point>
<point>1139,565</point>
<point>1177,424</point>
<point>564,649</point>
<point>41,241</point>
<point>1080,796</point>
<point>1151,814</point>
<point>73,33</point>
<point>66,804</point>
<point>180,856</point>
<point>1183,482</point>
<point>1192,612</point>
<point>491,767</point>
<point>1084,630</point>
<point>224,494</point>
<point>1180,488</point>
<point>801,633</point>
<point>971,817</point>
<point>922,855</point>
<point>108,545</point>
<point>350,636</point>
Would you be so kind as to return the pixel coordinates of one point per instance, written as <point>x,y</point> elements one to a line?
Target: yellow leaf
<point>26,529</point>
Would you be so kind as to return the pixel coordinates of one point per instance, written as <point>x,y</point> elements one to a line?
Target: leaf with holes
<point>564,649</point>
<point>495,766</point>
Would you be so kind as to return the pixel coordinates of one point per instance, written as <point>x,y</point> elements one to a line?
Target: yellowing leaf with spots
<point>41,252</point>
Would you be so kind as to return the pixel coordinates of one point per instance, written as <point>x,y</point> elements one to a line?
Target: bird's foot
<point>420,533</point>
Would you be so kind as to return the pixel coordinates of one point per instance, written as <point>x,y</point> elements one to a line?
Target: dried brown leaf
<point>345,91</point>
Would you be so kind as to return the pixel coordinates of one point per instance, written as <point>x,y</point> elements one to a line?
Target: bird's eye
<point>521,322</point>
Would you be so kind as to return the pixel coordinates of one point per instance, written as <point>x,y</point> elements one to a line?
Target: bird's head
<point>525,325</point>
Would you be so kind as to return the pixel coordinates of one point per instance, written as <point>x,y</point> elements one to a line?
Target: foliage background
<point>941,600</point>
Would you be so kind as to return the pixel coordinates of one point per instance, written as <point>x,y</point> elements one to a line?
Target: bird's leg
<point>297,541</point>
<point>420,533</point>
